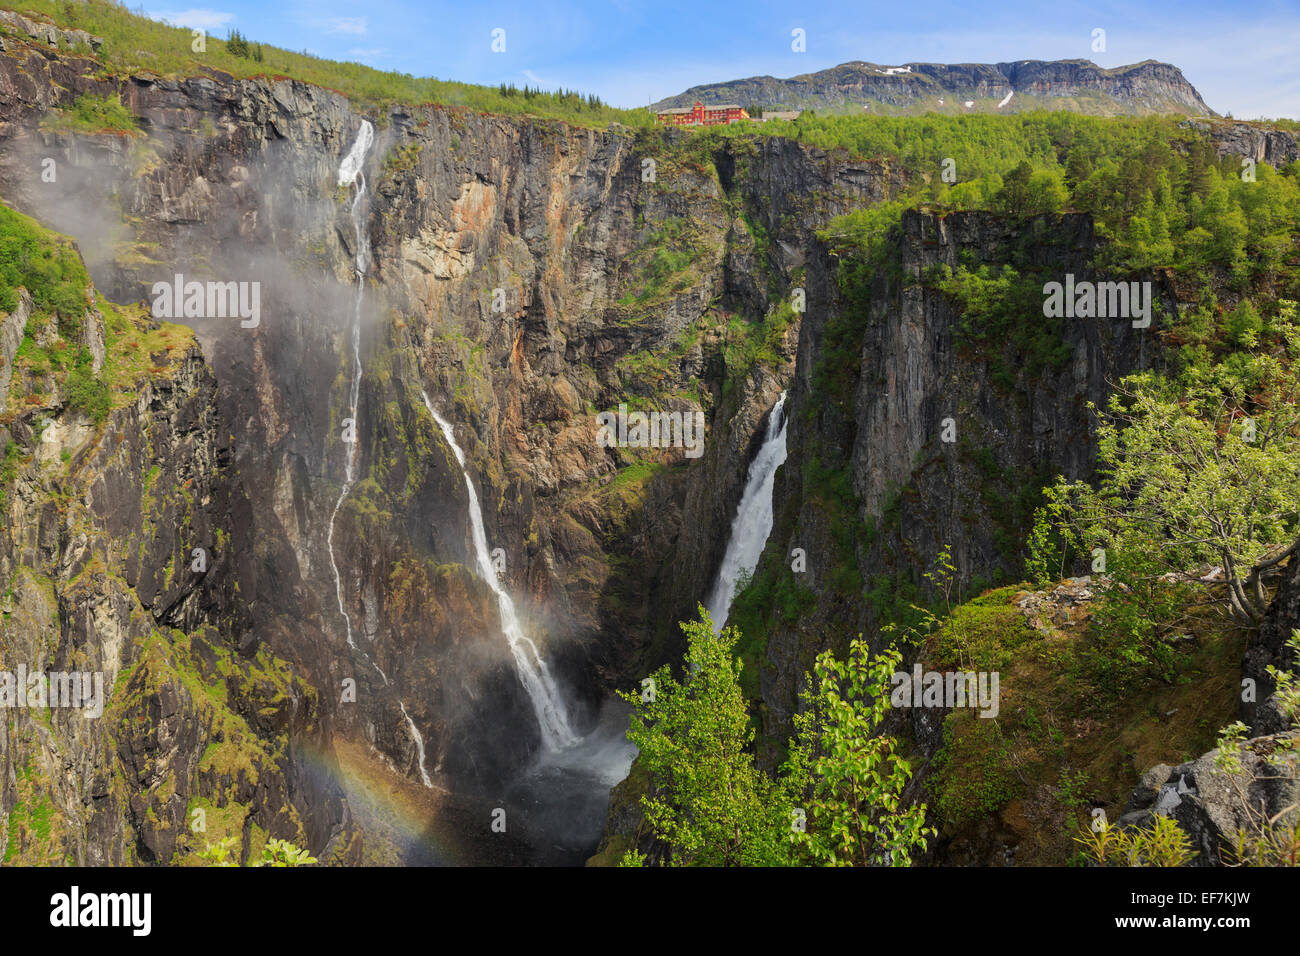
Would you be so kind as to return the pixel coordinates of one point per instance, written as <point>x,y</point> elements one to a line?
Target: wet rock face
<point>98,550</point>
<point>237,180</point>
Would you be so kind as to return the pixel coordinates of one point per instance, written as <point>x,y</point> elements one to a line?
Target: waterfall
<point>350,174</point>
<point>532,670</point>
<point>753,521</point>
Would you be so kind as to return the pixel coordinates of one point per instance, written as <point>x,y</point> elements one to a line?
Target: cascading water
<point>533,673</point>
<point>753,521</point>
<point>350,174</point>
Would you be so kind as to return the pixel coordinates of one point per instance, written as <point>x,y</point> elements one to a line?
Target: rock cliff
<point>1077,85</point>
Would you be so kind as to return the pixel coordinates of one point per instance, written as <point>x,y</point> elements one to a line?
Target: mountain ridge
<point>1080,85</point>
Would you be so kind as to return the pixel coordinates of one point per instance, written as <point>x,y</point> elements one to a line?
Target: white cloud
<point>353,25</point>
<point>196,18</point>
<point>530,76</point>
<point>365,51</point>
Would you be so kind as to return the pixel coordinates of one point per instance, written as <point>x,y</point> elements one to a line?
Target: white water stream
<point>533,673</point>
<point>350,174</point>
<point>754,515</point>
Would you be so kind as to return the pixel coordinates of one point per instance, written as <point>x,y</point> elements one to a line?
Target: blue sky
<point>1242,59</point>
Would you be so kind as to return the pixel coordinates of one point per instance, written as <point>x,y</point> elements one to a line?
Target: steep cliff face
<point>1277,147</point>
<point>115,552</point>
<point>524,276</point>
<point>935,436</point>
<point>1078,85</point>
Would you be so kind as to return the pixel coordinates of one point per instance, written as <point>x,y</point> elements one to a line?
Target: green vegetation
<point>231,697</point>
<point>93,114</point>
<point>134,43</point>
<point>852,775</point>
<point>1164,844</point>
<point>48,266</point>
<point>35,830</point>
<point>1068,734</point>
<point>1198,469</point>
<point>275,852</point>
<point>86,391</point>
<point>1160,196</point>
<point>748,343</point>
<point>992,306</point>
<point>711,804</point>
<point>974,771</point>
<point>837,800</point>
<point>664,264</point>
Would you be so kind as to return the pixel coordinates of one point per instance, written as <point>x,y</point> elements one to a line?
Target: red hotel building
<point>701,115</point>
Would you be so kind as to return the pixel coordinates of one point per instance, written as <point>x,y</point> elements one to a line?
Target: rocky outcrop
<point>1213,804</point>
<point>1078,85</point>
<point>898,352</point>
<point>46,33</point>
<point>12,327</point>
<point>1261,709</point>
<point>1257,788</point>
<point>1277,147</point>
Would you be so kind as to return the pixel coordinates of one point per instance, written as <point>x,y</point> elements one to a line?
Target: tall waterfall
<point>350,174</point>
<point>753,521</point>
<point>532,670</point>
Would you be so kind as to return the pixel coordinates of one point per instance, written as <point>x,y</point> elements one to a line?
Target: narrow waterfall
<point>350,174</point>
<point>754,515</point>
<point>533,673</point>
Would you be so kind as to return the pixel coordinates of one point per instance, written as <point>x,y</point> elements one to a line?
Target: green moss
<point>236,755</point>
<point>984,634</point>
<point>35,830</point>
<point>92,114</point>
<point>1061,741</point>
<point>47,265</point>
<point>633,475</point>
<point>974,774</point>
<point>665,263</point>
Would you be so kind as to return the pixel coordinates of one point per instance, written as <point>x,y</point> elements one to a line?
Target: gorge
<point>373,545</point>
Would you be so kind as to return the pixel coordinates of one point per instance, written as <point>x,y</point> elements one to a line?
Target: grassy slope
<point>133,43</point>
<point>48,265</point>
<point>1067,737</point>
